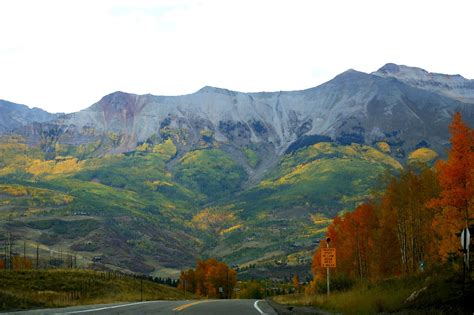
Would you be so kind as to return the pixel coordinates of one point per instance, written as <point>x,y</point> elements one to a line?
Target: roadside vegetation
<point>400,250</point>
<point>439,291</point>
<point>27,289</point>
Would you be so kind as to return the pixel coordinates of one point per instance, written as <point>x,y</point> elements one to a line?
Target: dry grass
<point>59,288</point>
<point>360,300</point>
<point>444,293</point>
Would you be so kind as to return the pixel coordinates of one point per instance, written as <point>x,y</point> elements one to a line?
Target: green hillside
<point>325,176</point>
<point>154,211</point>
<point>211,172</point>
<point>138,211</point>
<point>290,208</point>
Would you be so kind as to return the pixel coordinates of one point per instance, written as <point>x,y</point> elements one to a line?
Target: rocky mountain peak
<point>389,68</point>
<point>119,104</point>
<point>215,90</point>
<point>392,69</point>
<point>116,100</point>
<point>349,73</point>
<point>351,76</point>
<point>453,86</point>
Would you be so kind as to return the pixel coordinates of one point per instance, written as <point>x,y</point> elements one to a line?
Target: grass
<point>443,294</point>
<point>362,299</point>
<point>60,288</point>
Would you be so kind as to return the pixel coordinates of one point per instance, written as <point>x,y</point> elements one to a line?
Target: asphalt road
<point>195,307</point>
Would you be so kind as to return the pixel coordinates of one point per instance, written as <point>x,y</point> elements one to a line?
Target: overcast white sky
<point>64,56</point>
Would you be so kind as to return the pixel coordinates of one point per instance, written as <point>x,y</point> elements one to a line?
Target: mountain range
<point>152,182</point>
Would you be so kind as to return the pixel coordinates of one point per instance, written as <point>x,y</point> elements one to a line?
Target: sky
<point>65,55</point>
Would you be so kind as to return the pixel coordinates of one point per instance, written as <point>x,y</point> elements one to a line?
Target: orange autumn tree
<point>296,283</point>
<point>456,178</point>
<point>187,281</point>
<point>406,220</point>
<point>363,223</point>
<point>352,236</point>
<point>386,237</point>
<point>211,278</point>
<point>20,262</point>
<point>387,253</point>
<point>220,276</point>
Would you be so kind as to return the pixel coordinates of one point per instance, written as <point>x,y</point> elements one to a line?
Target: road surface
<point>195,307</point>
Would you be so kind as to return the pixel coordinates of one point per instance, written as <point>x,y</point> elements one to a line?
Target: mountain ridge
<point>389,69</point>
<point>13,115</point>
<point>352,107</point>
<point>151,183</point>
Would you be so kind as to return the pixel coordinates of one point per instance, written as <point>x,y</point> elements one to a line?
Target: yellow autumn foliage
<point>58,166</point>
<point>14,156</point>
<point>422,155</point>
<point>214,220</point>
<point>167,148</point>
<point>319,219</point>
<point>13,190</point>
<point>143,147</point>
<point>299,172</point>
<point>231,229</point>
<point>10,169</point>
<point>38,193</point>
<point>13,147</point>
<point>159,183</point>
<point>384,147</point>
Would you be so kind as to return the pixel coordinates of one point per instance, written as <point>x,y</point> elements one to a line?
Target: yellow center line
<point>182,307</point>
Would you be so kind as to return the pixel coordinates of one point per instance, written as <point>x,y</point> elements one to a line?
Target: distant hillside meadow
<point>149,184</point>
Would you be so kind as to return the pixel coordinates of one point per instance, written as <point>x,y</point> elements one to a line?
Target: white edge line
<point>258,308</point>
<point>109,307</point>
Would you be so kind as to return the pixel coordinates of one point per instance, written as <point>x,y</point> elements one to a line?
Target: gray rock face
<point>407,107</point>
<point>454,86</point>
<point>14,117</point>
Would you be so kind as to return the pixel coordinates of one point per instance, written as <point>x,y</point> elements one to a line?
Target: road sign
<point>465,239</point>
<point>328,257</point>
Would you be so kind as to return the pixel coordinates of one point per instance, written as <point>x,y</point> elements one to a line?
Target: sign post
<point>328,259</point>
<point>327,268</point>
<point>465,241</point>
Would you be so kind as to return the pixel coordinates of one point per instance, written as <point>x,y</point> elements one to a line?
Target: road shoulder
<point>264,307</point>
<point>282,309</point>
